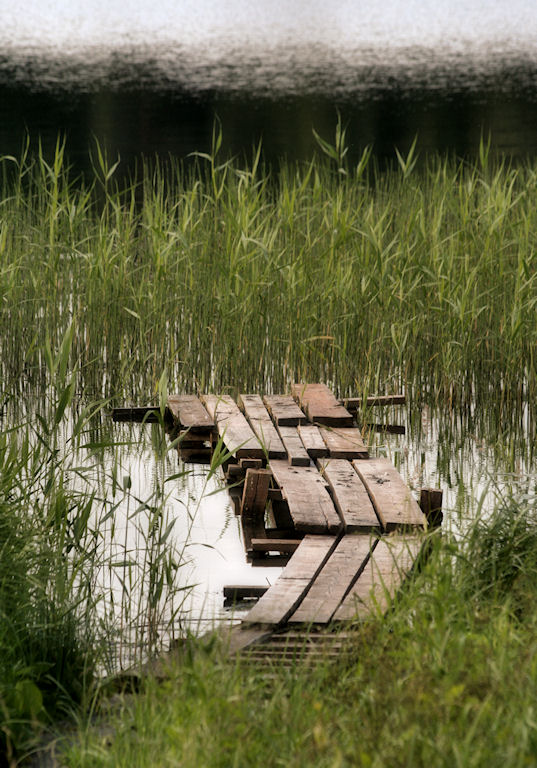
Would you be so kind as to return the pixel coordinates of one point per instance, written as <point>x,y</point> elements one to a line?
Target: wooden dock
<point>310,497</point>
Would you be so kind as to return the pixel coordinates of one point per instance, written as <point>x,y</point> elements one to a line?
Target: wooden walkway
<point>345,525</point>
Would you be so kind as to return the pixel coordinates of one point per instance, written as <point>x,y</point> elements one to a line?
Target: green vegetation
<point>448,678</point>
<point>220,275</point>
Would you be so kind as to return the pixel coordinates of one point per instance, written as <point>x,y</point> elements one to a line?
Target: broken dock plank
<point>147,413</point>
<point>284,410</point>
<point>310,505</point>
<point>349,496</point>
<point>389,564</point>
<point>236,433</point>
<point>392,499</point>
<point>261,423</point>
<point>312,440</point>
<point>344,443</point>
<point>321,405</point>
<point>297,454</point>
<point>287,592</point>
<point>335,580</point>
<point>357,403</point>
<point>188,412</point>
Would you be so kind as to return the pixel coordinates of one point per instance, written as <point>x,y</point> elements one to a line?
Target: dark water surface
<point>149,78</point>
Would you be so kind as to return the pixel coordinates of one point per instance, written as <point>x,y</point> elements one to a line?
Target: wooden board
<point>393,502</point>
<point>356,403</point>
<point>344,443</point>
<point>236,433</point>
<point>147,413</point>
<point>188,412</point>
<point>310,505</point>
<point>287,592</point>
<point>260,421</point>
<point>391,561</point>
<point>275,545</point>
<point>312,441</point>
<point>321,405</point>
<point>296,453</point>
<point>349,496</point>
<point>284,410</point>
<point>334,581</point>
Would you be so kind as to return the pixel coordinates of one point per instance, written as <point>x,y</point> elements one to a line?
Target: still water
<point>150,77</point>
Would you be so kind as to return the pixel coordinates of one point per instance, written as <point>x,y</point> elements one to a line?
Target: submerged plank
<point>236,433</point>
<point>349,495</point>
<point>344,443</point>
<point>296,453</point>
<point>334,581</point>
<point>261,423</point>
<point>287,592</point>
<point>188,412</point>
<point>284,410</point>
<point>148,413</point>
<point>321,405</point>
<point>312,441</point>
<point>391,561</point>
<point>310,505</point>
<point>393,502</point>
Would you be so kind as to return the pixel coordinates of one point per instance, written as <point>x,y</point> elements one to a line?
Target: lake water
<point>150,77</point>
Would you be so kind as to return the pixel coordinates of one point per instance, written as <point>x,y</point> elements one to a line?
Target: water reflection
<point>148,78</point>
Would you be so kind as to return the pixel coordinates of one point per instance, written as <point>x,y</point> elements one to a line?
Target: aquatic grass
<point>228,273</point>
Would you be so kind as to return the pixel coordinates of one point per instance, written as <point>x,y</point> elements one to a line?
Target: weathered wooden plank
<point>344,443</point>
<point>284,410</point>
<point>232,426</point>
<point>261,423</point>
<point>234,593</point>
<point>393,502</point>
<point>188,412</point>
<point>356,403</point>
<point>254,500</point>
<point>147,413</point>
<point>274,545</point>
<point>310,505</point>
<point>312,441</point>
<point>334,581</point>
<point>391,561</point>
<point>431,506</point>
<point>287,592</point>
<point>321,405</point>
<point>349,495</point>
<point>296,453</point>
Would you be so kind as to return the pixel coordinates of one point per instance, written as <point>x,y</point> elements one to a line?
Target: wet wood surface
<point>392,499</point>
<point>259,419</point>
<point>236,433</point>
<point>349,495</point>
<point>321,406</point>
<point>310,505</point>
<point>287,592</point>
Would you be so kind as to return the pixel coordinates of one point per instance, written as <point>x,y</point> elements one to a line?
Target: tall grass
<point>231,275</point>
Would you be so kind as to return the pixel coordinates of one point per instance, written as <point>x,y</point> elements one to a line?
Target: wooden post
<point>431,506</point>
<point>254,501</point>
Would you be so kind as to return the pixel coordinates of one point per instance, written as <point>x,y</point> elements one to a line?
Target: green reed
<point>230,274</point>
